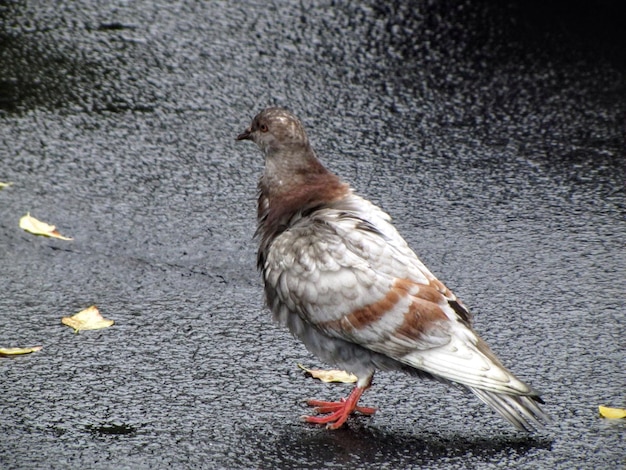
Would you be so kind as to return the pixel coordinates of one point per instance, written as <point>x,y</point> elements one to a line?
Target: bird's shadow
<point>357,445</point>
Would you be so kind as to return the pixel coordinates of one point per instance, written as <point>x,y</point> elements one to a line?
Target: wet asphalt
<point>493,135</point>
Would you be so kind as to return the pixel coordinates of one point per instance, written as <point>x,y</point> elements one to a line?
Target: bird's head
<point>276,130</point>
<point>292,169</point>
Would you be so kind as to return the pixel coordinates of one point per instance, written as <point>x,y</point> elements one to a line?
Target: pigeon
<point>342,279</point>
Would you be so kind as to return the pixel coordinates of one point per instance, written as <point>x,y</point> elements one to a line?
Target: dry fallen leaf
<point>88,319</point>
<point>18,351</point>
<point>37,227</point>
<point>330,375</point>
<point>612,413</point>
<point>5,185</point>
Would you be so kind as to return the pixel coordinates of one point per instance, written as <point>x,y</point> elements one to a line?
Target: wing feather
<point>350,275</point>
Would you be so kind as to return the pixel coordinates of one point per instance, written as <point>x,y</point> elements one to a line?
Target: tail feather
<point>467,360</point>
<point>522,411</point>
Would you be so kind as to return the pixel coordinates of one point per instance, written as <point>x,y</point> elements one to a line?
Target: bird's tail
<point>522,411</point>
<point>467,360</point>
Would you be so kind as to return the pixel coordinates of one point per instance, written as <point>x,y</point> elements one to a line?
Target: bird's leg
<point>336,412</point>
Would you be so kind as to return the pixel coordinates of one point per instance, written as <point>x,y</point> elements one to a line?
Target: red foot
<point>338,411</point>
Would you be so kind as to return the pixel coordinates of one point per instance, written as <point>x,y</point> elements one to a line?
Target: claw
<point>337,412</point>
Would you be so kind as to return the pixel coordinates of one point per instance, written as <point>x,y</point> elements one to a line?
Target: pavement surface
<point>493,135</point>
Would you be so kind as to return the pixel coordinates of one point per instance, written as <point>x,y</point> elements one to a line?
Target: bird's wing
<point>355,279</point>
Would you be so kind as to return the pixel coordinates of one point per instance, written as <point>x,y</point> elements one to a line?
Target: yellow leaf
<point>18,351</point>
<point>330,375</point>
<point>37,227</point>
<point>88,319</point>
<point>612,413</point>
<point>5,185</point>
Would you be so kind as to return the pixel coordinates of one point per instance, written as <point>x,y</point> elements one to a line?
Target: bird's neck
<point>292,187</point>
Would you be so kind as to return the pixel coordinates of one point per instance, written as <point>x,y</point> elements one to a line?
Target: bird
<point>341,278</point>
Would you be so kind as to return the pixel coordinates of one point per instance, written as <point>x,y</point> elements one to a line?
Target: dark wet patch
<point>45,64</point>
<point>359,445</point>
<point>115,26</point>
<point>112,429</point>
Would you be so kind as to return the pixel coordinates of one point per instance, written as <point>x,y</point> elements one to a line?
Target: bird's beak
<point>245,135</point>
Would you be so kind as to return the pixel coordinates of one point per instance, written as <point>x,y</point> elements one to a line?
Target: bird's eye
<point>263,127</point>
